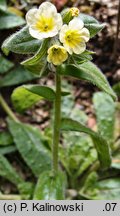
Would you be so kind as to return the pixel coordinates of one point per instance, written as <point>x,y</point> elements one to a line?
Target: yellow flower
<point>74,11</point>
<point>57,54</point>
<point>44,22</point>
<point>74,36</point>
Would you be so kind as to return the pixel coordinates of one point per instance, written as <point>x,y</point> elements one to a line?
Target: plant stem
<point>57,118</point>
<point>7,109</point>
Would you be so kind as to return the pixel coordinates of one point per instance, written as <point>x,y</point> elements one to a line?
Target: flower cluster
<point>45,22</point>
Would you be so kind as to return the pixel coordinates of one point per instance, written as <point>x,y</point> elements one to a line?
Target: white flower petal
<point>44,22</point>
<point>79,49</point>
<point>35,33</point>
<point>85,34</point>
<point>59,21</point>
<point>30,16</point>
<point>62,33</point>
<point>76,23</point>
<point>69,49</point>
<point>47,9</point>
<point>40,35</point>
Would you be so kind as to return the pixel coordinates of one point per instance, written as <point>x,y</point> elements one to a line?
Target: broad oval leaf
<point>33,93</point>
<point>100,143</point>
<point>3,5</point>
<point>50,187</point>
<point>38,64</point>
<point>16,76</point>
<point>91,24</point>
<point>29,142</point>
<point>105,112</point>
<point>9,20</point>
<point>21,42</point>
<point>42,91</point>
<point>22,99</point>
<point>90,72</point>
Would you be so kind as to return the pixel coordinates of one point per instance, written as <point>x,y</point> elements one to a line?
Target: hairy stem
<point>56,127</point>
<point>7,109</point>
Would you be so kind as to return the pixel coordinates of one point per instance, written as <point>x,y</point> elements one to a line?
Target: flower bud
<point>69,13</point>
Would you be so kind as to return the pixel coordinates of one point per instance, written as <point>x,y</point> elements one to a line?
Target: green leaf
<point>105,112</point>
<point>116,88</point>
<point>77,153</point>
<point>7,149</point>
<point>50,187</point>
<point>16,76</point>
<point>29,143</point>
<point>83,57</point>
<point>23,99</point>
<point>5,65</point>
<point>21,42</point>
<point>108,189</point>
<point>42,91</point>
<point>7,171</point>
<point>91,24</point>
<point>5,138</point>
<point>37,63</point>
<point>116,159</point>
<point>89,72</point>
<point>100,144</point>
<point>9,20</point>
<point>3,5</point>
<point>26,190</point>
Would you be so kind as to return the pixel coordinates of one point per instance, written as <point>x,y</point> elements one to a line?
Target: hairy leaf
<point>21,42</point>
<point>7,171</point>
<point>83,57</point>
<point>29,143</point>
<point>4,150</point>
<point>89,72</point>
<point>77,154</point>
<point>105,112</point>
<point>16,76</point>
<point>5,138</point>
<point>108,189</point>
<point>42,91</point>
<point>3,5</point>
<point>23,99</point>
<point>26,190</point>
<point>9,20</point>
<point>5,65</point>
<point>91,24</point>
<point>100,144</point>
<point>37,63</point>
<point>50,187</point>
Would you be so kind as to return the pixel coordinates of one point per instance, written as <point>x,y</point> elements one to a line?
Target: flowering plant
<point>57,43</point>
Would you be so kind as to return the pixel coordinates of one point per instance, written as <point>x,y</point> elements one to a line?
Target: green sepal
<point>37,64</point>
